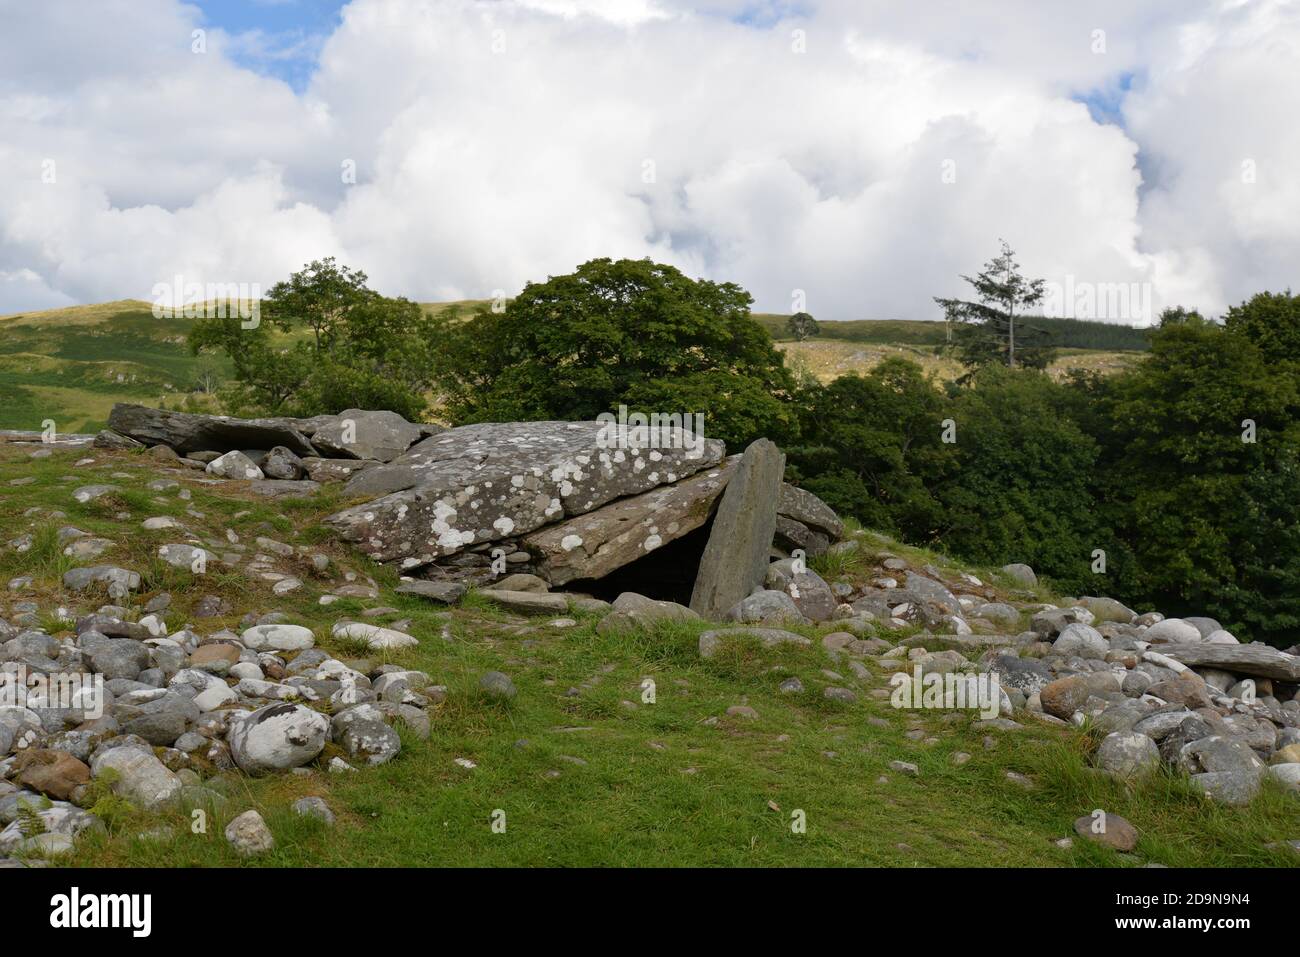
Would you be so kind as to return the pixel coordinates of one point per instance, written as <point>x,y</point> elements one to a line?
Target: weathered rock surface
<point>810,593</point>
<point>333,470</point>
<point>110,576</point>
<point>445,592</point>
<point>277,737</point>
<point>1128,754</point>
<point>807,509</point>
<point>282,463</point>
<point>805,522</point>
<point>767,605</point>
<point>481,483</point>
<point>249,835</point>
<point>278,637</point>
<point>735,558</point>
<point>234,465</point>
<point>631,610</point>
<point>54,773</point>
<point>528,602</point>
<point>1109,829</point>
<point>1254,659</point>
<point>187,432</point>
<point>596,543</point>
<point>1107,609</point>
<point>137,775</point>
<point>1021,573</point>
<point>1171,631</point>
<point>373,636</point>
<point>359,434</point>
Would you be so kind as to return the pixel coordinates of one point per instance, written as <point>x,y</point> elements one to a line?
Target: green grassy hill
<point>71,365</point>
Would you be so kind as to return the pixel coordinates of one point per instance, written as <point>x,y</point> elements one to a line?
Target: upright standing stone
<point>735,558</point>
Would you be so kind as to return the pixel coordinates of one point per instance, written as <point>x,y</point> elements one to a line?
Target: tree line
<point>1173,484</point>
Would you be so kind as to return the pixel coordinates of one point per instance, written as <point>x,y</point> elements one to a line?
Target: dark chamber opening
<point>666,574</point>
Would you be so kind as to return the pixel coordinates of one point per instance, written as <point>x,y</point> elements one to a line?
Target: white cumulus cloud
<point>859,155</point>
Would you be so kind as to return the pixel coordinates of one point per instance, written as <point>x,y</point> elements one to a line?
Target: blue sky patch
<point>280,38</point>
<point>1106,104</point>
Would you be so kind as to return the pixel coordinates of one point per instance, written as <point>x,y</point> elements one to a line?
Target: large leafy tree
<point>620,332</point>
<point>1020,486</point>
<point>1013,485</point>
<point>326,342</point>
<point>871,447</point>
<point>992,328</point>
<point>1265,597</point>
<point>1198,443</point>
<point>802,325</point>
<point>1272,322</point>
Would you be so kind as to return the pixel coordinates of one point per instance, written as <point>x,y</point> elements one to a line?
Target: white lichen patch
<point>570,542</point>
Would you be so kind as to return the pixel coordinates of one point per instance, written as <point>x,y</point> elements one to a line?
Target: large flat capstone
<point>485,482</point>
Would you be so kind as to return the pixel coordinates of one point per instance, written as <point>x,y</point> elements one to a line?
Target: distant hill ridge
<point>71,364</point>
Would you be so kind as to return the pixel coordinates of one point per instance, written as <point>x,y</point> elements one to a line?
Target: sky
<point>849,158</point>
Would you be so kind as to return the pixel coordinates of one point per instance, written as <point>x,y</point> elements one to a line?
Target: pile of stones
<point>162,712</point>
<point>278,456</point>
<point>521,511</point>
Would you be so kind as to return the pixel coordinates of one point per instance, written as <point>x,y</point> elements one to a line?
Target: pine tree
<point>994,328</point>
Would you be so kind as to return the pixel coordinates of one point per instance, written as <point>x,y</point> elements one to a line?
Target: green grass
<point>585,770</point>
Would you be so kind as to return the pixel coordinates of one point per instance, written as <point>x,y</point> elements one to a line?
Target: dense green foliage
<point>1183,472</point>
<point>325,342</point>
<point>1174,484</point>
<point>1064,333</point>
<point>993,470</point>
<point>626,332</point>
<point>1197,475</point>
<point>1272,322</point>
<point>871,447</point>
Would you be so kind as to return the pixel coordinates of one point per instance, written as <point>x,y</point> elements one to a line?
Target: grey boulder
<point>277,737</point>
<point>359,434</point>
<point>808,590</point>
<point>1127,754</point>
